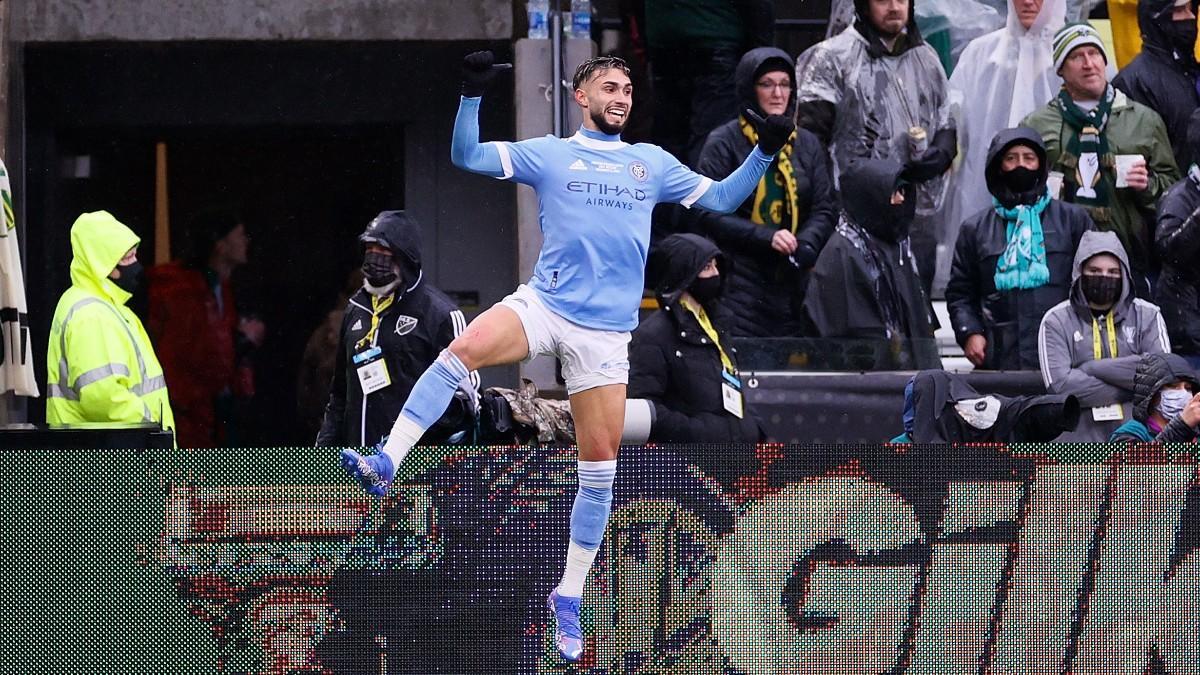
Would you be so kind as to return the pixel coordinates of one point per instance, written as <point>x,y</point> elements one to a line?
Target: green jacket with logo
<point>1133,129</point>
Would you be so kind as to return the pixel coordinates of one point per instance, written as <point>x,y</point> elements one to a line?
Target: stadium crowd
<point>1051,200</point>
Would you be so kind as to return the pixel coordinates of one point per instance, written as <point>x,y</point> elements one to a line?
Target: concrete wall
<point>168,20</point>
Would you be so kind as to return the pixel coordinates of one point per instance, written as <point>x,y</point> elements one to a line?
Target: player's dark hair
<point>595,65</point>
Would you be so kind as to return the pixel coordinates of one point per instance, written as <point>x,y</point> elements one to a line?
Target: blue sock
<point>589,518</point>
<point>425,405</point>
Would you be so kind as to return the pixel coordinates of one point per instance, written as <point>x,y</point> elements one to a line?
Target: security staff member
<point>100,365</point>
<point>393,328</point>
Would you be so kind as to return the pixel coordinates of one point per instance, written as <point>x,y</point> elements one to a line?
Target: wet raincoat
<point>1000,78</point>
<point>862,101</point>
<point>100,365</point>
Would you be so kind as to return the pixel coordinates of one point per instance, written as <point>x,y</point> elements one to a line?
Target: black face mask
<point>706,290</point>
<point>1100,291</point>
<point>1182,36</point>
<point>377,269</point>
<point>1020,180</point>
<point>900,216</point>
<point>131,277</point>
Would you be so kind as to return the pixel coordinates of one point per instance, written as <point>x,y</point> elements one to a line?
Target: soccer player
<point>596,193</point>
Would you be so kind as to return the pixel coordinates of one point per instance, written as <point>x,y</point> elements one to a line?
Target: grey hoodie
<point>1067,338</point>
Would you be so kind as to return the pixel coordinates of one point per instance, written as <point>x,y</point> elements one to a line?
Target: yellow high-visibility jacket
<point>100,365</point>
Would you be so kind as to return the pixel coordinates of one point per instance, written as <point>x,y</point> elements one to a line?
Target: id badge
<point>731,395</point>
<point>372,370</point>
<point>1108,413</point>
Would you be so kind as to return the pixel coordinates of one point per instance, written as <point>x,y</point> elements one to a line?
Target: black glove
<point>772,132</point>
<point>935,160</point>
<point>478,71</point>
<point>804,256</point>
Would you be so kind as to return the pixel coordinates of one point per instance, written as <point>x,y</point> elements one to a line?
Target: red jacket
<point>195,343</point>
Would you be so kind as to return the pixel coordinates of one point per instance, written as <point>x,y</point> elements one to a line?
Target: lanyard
<point>1097,352</point>
<point>378,305</point>
<point>702,318</point>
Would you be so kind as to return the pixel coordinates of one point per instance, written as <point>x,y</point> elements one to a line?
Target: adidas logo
<point>357,325</point>
<point>578,165</point>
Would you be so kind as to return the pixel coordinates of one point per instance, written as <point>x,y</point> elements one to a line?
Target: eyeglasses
<point>770,86</point>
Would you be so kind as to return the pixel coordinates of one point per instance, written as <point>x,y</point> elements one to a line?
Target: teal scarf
<point>1023,264</point>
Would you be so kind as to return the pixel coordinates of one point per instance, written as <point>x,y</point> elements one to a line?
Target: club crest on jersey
<point>405,324</point>
<point>639,171</point>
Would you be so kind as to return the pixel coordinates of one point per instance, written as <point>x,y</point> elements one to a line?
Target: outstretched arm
<point>478,71</point>
<point>465,149</point>
<point>726,195</point>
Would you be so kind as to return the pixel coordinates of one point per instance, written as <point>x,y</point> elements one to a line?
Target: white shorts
<point>590,358</point>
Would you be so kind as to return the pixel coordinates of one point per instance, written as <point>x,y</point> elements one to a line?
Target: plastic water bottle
<point>581,18</point>
<point>539,19</point>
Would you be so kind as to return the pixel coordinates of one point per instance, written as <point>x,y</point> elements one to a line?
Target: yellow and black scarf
<point>777,194</point>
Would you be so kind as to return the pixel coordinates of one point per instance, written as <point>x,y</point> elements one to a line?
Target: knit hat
<point>1075,35</point>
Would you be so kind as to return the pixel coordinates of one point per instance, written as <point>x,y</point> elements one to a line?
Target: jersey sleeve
<point>524,161</point>
<point>679,184</point>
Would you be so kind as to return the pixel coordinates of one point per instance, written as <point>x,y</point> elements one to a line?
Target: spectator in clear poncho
<point>877,91</point>
<point>1000,78</point>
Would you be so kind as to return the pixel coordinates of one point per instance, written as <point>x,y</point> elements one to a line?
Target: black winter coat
<point>1160,81</point>
<point>1009,320</point>
<point>766,290</point>
<point>865,284</point>
<point>412,332</point>
<point>1177,240</point>
<point>674,364</point>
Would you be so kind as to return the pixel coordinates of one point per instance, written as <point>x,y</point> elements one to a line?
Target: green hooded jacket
<point>100,365</point>
<point>1132,129</point>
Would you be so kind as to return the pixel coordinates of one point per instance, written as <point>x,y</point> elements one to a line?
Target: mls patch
<point>405,324</point>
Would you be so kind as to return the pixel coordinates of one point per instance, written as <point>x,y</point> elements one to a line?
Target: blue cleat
<point>373,472</point>
<point>568,637</point>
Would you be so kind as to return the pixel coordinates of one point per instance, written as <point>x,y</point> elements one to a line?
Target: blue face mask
<point>1172,401</point>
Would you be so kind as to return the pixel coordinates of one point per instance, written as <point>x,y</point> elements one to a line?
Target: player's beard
<point>604,125</point>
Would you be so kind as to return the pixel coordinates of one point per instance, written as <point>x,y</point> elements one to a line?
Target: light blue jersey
<point>595,195</point>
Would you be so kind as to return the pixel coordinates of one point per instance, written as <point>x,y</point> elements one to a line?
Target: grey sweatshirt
<point>1067,338</point>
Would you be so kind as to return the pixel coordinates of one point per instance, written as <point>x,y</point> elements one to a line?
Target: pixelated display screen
<point>796,559</point>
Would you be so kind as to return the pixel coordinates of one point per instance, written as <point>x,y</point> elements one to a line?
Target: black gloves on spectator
<point>804,256</point>
<point>478,71</point>
<point>936,160</point>
<point>772,132</point>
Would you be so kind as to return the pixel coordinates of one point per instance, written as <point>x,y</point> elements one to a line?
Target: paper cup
<point>1124,164</point>
<point>1054,181</point>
